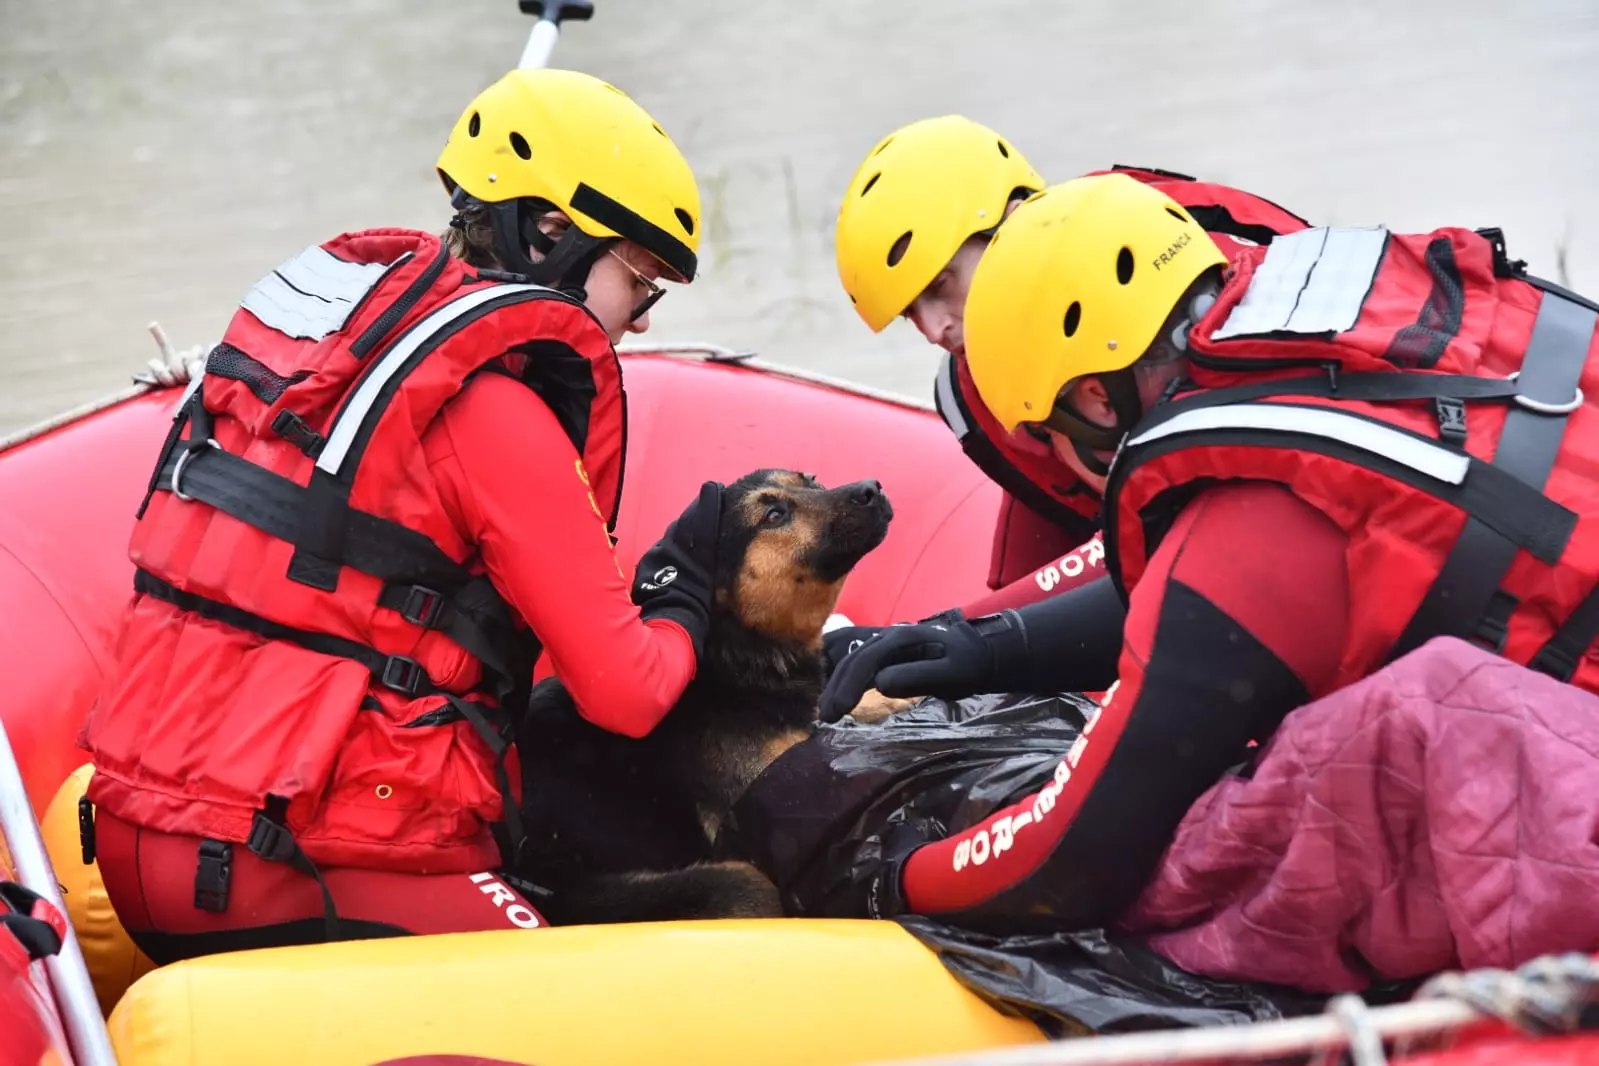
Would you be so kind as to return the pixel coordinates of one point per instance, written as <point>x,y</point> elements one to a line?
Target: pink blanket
<point>1443,813</point>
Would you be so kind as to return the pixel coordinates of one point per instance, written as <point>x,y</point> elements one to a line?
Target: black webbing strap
<point>423,583</point>
<point>191,410</point>
<point>394,671</point>
<point>323,521</point>
<point>397,672</point>
<point>509,835</point>
<point>271,840</point>
<point>1563,652</point>
<point>1373,386</point>
<point>273,504</point>
<point>476,617</point>
<point>1465,600</point>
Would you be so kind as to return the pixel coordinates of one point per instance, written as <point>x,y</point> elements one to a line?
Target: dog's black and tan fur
<point>624,830</point>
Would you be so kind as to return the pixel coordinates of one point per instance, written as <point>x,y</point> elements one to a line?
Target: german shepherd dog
<point>626,830</point>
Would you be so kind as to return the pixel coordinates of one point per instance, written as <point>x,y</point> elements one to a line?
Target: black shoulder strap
<point>1514,511</point>
<point>322,537</point>
<point>423,583</point>
<point>1466,599</point>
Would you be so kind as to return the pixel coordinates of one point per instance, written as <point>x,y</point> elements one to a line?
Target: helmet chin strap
<point>1121,390</point>
<point>514,225</point>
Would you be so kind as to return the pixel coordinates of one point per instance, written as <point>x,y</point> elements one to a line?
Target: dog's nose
<point>865,493</point>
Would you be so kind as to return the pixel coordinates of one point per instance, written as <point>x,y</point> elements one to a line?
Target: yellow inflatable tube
<point>708,993</point>
<point>112,960</point>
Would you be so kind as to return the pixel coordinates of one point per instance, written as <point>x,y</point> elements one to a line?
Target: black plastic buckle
<point>1504,266</point>
<point>422,606</point>
<point>403,675</point>
<point>86,829</point>
<point>292,428</point>
<point>270,840</point>
<point>1556,663</point>
<point>1451,420</point>
<point>213,876</point>
<point>1494,627</point>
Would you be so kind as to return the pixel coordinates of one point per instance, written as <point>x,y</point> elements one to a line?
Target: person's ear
<point>1092,401</point>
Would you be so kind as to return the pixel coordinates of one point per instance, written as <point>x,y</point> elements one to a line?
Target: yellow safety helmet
<point>1077,282</point>
<point>583,146</point>
<point>921,192</point>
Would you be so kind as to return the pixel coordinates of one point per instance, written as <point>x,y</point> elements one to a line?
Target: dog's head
<point>786,546</point>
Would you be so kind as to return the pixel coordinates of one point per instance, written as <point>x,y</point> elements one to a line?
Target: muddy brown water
<point>157,156</point>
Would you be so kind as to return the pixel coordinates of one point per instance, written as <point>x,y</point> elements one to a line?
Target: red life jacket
<point>1431,399</point>
<point>313,644</point>
<point>1027,470</point>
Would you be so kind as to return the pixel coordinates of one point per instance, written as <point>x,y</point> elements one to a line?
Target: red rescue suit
<point>1436,404</point>
<point>1386,438</point>
<point>313,662</point>
<point>1048,511</point>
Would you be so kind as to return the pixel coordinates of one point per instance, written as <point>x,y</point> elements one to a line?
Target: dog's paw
<point>874,707</point>
<point>741,891</point>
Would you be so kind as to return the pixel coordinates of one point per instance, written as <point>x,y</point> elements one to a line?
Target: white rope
<point>172,368</point>
<point>1547,995</point>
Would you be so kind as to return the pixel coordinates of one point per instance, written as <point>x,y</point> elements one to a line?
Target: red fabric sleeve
<point>1077,567</point>
<point>1239,619</point>
<point>503,462</point>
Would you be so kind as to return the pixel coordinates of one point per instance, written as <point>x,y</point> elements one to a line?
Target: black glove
<point>675,578</point>
<point>843,642</point>
<point>948,657</point>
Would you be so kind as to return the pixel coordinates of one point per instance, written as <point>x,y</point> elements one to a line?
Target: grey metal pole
<point>69,977</point>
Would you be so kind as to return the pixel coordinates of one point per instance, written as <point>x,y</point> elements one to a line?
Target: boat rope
<point>1551,994</point>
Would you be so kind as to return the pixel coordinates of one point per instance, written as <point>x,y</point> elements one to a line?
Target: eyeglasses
<point>652,291</point>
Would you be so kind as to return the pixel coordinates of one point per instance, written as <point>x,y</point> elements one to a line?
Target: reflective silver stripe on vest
<point>312,294</point>
<point>948,402</point>
<point>1314,281</point>
<point>1435,461</point>
<point>343,433</point>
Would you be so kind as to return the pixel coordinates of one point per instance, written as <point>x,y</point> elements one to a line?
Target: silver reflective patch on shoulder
<point>1422,456</point>
<point>361,403</point>
<point>1311,282</point>
<point>312,294</point>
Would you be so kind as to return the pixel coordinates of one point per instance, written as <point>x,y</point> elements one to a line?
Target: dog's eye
<point>774,515</point>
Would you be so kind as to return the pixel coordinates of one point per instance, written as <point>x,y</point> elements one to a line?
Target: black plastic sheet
<point>1074,984</point>
<point>832,813</point>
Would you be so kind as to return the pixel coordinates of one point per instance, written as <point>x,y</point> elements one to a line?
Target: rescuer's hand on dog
<point>840,643</point>
<point>674,578</point>
<point>948,657</point>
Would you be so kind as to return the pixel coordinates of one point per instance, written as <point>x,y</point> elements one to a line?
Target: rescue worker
<point>393,484</point>
<point>912,226</point>
<point>1315,457</point>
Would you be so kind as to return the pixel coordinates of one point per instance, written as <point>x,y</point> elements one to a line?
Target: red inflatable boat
<point>711,992</point>
<point>69,494</point>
